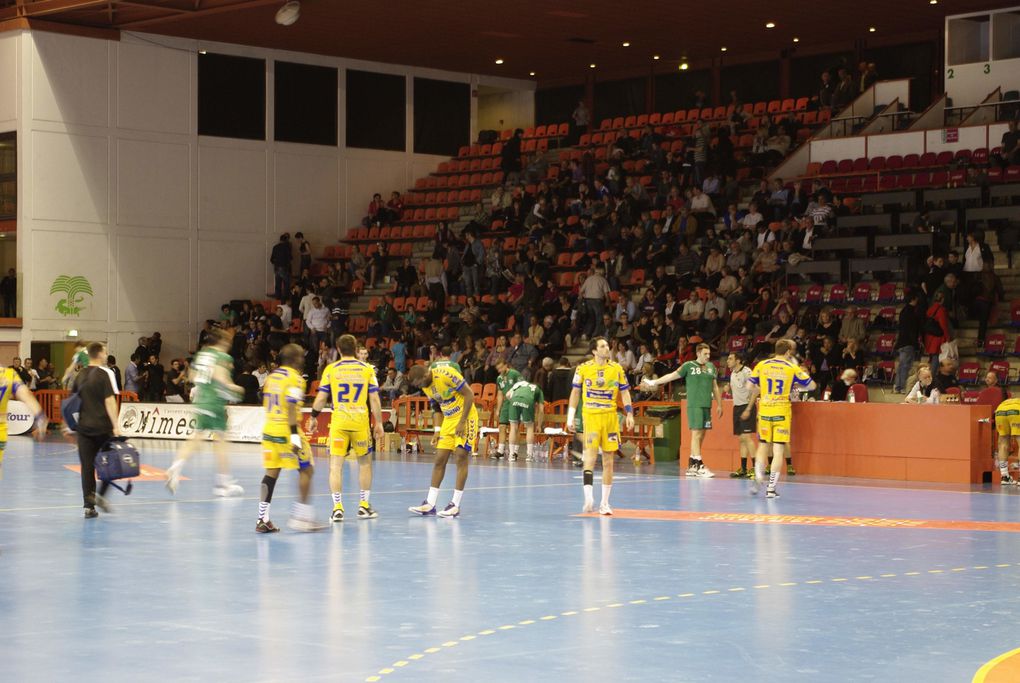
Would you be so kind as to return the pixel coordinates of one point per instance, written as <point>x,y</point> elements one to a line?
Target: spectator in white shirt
<point>625,307</point>
<point>701,202</point>
<point>286,315</point>
<point>753,217</point>
<point>694,309</point>
<point>718,303</point>
<point>306,301</point>
<point>973,261</point>
<point>261,375</point>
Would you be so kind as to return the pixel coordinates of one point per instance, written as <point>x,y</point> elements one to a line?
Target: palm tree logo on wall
<point>74,288</point>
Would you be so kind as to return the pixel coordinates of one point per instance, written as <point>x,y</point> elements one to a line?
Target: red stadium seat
<point>837,295</point>
<point>995,345</point>
<point>885,344</point>
<point>1001,369</point>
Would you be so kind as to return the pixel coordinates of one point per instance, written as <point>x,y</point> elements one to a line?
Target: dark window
<point>676,90</point>
<point>376,106</point>
<point>305,99</point>
<point>753,82</point>
<point>232,97</point>
<point>806,72</point>
<point>619,98</point>
<point>557,105</point>
<point>916,62</point>
<point>442,116</point>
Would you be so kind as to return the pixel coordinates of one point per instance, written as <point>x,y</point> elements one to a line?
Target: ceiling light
<point>770,25</point>
<point>202,52</point>
<point>499,61</point>
<point>796,40</point>
<point>656,57</point>
<point>722,49</point>
<point>531,73</point>
<point>871,30</point>
<point>933,2</point>
<point>683,66</point>
<point>591,66</point>
<point>626,44</point>
<point>289,13</point>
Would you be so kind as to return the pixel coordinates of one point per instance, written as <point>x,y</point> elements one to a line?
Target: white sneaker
<point>173,478</point>
<point>755,486</point>
<point>589,506</point>
<point>704,472</point>
<point>296,524</point>
<point>604,509</point>
<point>231,490</point>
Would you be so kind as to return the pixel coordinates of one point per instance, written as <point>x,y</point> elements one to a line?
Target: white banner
<point>19,418</point>
<point>177,421</point>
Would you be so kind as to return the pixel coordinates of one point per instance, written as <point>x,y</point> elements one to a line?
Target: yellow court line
<point>983,672</point>
<point>978,678</point>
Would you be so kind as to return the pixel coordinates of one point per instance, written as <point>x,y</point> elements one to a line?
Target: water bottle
<point>853,396</point>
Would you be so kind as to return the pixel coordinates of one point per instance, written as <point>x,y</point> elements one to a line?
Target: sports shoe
<point>173,478</point>
<point>513,457</point>
<point>790,472</point>
<point>425,510</point>
<point>338,513</point>
<point>305,524</point>
<point>692,471</point>
<point>103,504</point>
<point>771,493</point>
<point>589,506</point>
<point>366,511</point>
<point>450,510</point>
<point>90,513</point>
<point>704,472</point>
<point>266,527</point>
<point>496,455</point>
<point>604,509</point>
<point>529,458</point>
<point>739,474</point>
<point>755,486</point>
<point>1008,480</point>
<point>231,489</point>
<point>750,473</point>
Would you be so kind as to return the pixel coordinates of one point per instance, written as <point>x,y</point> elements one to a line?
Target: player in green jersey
<point>211,372</point>
<point>505,381</point>
<point>702,388</point>
<point>526,402</point>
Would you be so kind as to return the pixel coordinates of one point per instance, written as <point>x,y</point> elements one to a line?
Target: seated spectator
<point>687,265</point>
<point>992,382</point>
<point>552,341</point>
<point>841,389</point>
<point>624,330</point>
<point>824,360</point>
<point>924,390</point>
<point>946,376</point>
<point>766,266</point>
<point>752,218</point>
<point>853,357</point>
<point>395,207</point>
<point>827,326</point>
<point>394,386</point>
<point>727,284</point>
<point>779,201</point>
<point>694,309</point>
<point>852,327</point>
<point>177,382</point>
<point>715,302</point>
<point>647,372</point>
<point>711,327</point>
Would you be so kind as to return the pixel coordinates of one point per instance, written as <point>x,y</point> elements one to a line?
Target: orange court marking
<point>806,520</point>
<point>147,473</point>
<point>1003,669</point>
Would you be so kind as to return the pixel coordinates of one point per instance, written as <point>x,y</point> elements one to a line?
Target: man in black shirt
<point>97,424</point>
<point>282,259</point>
<point>111,363</point>
<point>907,336</point>
<point>250,384</point>
<point>9,292</point>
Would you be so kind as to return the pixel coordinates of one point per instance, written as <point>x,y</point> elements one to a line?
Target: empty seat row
<point>895,162</point>
<point>787,106</point>
<point>465,180</point>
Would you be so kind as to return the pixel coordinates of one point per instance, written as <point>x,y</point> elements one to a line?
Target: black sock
<point>268,484</point>
<point>589,478</point>
<point>743,463</point>
<point>789,462</point>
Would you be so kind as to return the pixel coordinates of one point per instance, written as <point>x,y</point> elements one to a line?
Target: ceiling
<point>557,40</point>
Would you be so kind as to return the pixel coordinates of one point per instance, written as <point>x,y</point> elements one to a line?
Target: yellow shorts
<point>277,453</point>
<point>1007,422</point>
<point>601,430</point>
<point>349,442</point>
<point>448,439</point>
<point>774,424</point>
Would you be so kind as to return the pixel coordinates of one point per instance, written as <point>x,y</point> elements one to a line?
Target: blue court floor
<point>519,588</point>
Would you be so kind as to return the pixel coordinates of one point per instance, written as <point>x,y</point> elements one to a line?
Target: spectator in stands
<point>594,292</point>
<point>825,91</point>
<point>992,381</point>
<point>132,378</point>
<point>377,264</point>
<point>474,258</point>
<point>841,389</point>
<point>779,201</point>
<point>946,377</point>
<point>821,212</point>
<point>852,326</point>
<point>394,385</point>
<point>520,354</point>
<point>304,253</point>
<point>1009,154</point>
<point>376,211</point>
<point>924,389</point>
<point>406,277</point>
<point>582,120</point>
<point>907,340</point>
<point>155,380</point>
<point>935,276</point>
<point>853,356</point>
<point>824,360</point>
<point>702,141</point>
<point>867,75</point>
<point>711,326</point>
<point>282,260</point>
<point>510,157</point>
<point>766,266</point>
<point>176,381</point>
<point>9,291</point>
<point>951,299</point>
<point>936,318</point>
<point>622,355</point>
<point>395,207</point>
<point>694,309</point>
<point>752,218</point>
<point>284,313</point>
<point>845,91</point>
<point>988,293</point>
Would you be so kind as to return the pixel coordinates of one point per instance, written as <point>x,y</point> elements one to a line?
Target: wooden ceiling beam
<point>218,9</point>
<point>40,8</point>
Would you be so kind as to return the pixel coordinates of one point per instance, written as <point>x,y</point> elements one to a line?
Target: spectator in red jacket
<point>932,342</point>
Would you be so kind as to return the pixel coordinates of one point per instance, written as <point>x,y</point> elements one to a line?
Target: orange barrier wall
<point>940,443</point>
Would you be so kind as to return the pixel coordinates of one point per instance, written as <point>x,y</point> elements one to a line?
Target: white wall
<point>508,109</point>
<point>908,142</point>
<point>165,225</point>
<point>9,81</point>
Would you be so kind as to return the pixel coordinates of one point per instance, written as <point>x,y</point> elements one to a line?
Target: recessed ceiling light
<point>591,66</point>
<point>656,57</point>
<point>770,25</point>
<point>683,66</point>
<point>202,52</point>
<point>499,61</point>
<point>626,44</point>
<point>933,2</point>
<point>722,49</point>
<point>871,29</point>
<point>796,40</point>
<point>531,73</point>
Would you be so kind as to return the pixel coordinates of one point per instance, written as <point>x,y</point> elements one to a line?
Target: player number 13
<point>775,387</point>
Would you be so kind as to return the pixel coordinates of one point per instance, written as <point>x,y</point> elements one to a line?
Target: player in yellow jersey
<point>12,386</point>
<point>283,444</point>
<point>599,382</point>
<point>458,434</point>
<point>354,390</point>
<point>774,380</point>
<point>1007,424</point>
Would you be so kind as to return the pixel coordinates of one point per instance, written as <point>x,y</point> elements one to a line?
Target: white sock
<point>223,479</point>
<point>365,494</point>
<point>1003,467</point>
<point>606,488</point>
<point>432,496</point>
<point>513,449</point>
<point>531,450</point>
<point>588,495</point>
<point>264,512</point>
<point>338,499</point>
<point>177,465</point>
<point>301,511</point>
<point>773,479</point>
<point>457,495</point>
<point>501,448</point>
<point>759,470</point>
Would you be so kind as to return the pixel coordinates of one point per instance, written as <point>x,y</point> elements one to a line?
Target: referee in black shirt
<point>97,423</point>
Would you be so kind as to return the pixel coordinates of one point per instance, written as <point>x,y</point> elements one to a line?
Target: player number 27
<point>344,390</point>
<point>775,387</point>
